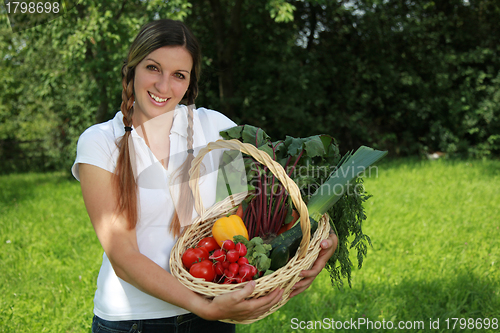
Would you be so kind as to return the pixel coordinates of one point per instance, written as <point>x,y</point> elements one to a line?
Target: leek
<point>335,186</point>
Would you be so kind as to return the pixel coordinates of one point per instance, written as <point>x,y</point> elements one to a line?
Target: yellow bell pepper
<point>227,227</point>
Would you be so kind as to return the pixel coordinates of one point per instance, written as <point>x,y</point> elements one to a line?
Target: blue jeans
<point>184,323</point>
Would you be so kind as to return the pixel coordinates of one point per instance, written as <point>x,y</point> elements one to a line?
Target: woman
<point>135,220</point>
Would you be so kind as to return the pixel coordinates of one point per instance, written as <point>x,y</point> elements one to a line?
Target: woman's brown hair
<point>153,36</point>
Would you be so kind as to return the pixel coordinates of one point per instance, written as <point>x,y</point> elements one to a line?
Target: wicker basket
<point>285,277</point>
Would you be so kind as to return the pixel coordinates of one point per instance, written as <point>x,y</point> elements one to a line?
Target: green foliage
<point>410,77</point>
<point>348,216</point>
<point>257,252</point>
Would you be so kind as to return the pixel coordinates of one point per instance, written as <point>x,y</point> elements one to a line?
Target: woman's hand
<point>235,306</point>
<point>328,247</point>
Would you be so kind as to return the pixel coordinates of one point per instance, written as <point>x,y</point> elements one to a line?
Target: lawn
<point>435,255</point>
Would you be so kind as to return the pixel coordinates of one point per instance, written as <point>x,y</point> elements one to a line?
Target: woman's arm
<point>120,244</point>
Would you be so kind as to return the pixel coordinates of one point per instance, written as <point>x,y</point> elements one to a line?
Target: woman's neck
<point>156,134</point>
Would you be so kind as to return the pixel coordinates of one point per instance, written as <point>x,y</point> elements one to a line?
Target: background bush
<point>408,76</point>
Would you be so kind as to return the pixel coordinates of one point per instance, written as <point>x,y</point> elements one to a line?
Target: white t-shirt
<point>116,299</point>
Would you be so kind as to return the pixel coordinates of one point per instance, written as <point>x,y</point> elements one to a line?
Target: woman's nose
<point>163,84</point>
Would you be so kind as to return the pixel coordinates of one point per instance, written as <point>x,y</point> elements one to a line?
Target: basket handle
<point>273,166</point>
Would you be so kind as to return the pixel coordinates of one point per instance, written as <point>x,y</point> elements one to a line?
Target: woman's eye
<point>179,76</point>
<point>152,67</point>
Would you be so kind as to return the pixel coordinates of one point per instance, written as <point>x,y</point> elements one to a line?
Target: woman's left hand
<point>328,247</point>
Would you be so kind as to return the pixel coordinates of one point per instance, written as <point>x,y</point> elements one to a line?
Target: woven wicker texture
<point>287,276</point>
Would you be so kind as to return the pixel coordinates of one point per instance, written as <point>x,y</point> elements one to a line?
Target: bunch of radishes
<point>231,265</point>
<point>226,264</point>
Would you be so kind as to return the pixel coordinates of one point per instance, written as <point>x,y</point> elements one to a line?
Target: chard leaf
<point>232,133</point>
<point>314,146</point>
<point>294,145</point>
<point>255,136</point>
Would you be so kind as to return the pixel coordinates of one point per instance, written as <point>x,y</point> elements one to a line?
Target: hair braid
<point>124,180</point>
<point>184,207</point>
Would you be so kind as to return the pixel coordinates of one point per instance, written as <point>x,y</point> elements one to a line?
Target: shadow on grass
<point>16,188</point>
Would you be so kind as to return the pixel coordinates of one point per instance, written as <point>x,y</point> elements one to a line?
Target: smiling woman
<point>138,222</point>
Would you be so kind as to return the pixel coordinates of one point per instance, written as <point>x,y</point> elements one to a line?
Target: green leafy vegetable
<point>257,252</point>
<point>310,162</point>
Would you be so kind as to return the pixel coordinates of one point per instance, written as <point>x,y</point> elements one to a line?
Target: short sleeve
<point>97,148</point>
<point>219,122</point>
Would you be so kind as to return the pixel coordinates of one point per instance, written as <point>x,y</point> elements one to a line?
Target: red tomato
<point>192,256</point>
<point>203,270</point>
<point>209,243</point>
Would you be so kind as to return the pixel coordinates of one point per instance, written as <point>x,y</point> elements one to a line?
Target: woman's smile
<point>157,98</point>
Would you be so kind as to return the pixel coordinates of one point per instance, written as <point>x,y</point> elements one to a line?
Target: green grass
<point>433,224</point>
<point>435,231</point>
<point>49,255</point>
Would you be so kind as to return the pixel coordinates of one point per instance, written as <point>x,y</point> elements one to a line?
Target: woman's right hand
<point>235,306</point>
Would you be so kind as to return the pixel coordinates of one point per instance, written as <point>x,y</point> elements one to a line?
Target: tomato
<point>203,270</point>
<point>192,256</point>
<point>209,243</point>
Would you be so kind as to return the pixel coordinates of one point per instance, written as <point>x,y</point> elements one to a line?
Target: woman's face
<point>161,80</point>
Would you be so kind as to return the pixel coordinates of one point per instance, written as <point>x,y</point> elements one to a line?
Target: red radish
<point>241,248</point>
<point>242,261</point>
<point>228,245</point>
<point>219,255</point>
<point>234,268</point>
<point>245,272</point>
<point>229,274</point>
<point>254,270</point>
<point>225,264</point>
<point>232,255</point>
<point>219,268</point>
